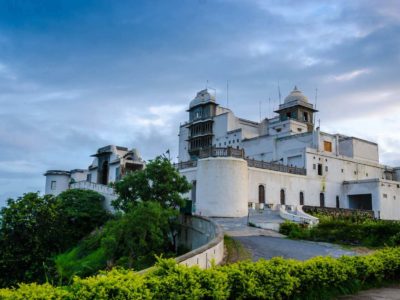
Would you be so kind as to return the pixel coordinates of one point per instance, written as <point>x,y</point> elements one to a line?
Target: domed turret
<point>296,95</point>
<point>202,97</point>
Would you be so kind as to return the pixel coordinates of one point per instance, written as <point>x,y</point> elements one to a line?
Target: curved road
<point>268,247</point>
<point>264,243</point>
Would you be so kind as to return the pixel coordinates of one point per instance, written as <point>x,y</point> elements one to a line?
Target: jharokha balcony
<point>239,153</point>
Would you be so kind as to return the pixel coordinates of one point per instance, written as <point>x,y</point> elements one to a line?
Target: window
<point>342,170</point>
<point>301,198</point>
<point>320,169</point>
<point>53,185</point>
<point>337,202</point>
<point>314,166</point>
<point>299,129</point>
<point>237,140</point>
<point>89,177</point>
<point>384,195</point>
<point>327,146</point>
<point>278,129</point>
<point>326,168</point>
<point>322,199</point>
<point>305,116</point>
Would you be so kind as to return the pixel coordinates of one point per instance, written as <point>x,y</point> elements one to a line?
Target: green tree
<point>31,232</point>
<point>33,229</point>
<point>83,211</point>
<point>131,240</point>
<point>159,182</point>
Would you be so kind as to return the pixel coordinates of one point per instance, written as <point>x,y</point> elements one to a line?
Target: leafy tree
<point>31,232</point>
<point>132,240</point>
<point>159,182</point>
<point>83,211</point>
<point>33,229</point>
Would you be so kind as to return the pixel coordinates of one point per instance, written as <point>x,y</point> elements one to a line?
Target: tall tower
<point>202,109</point>
<point>297,107</point>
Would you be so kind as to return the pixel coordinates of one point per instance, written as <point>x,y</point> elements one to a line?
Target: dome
<point>296,95</point>
<point>202,97</point>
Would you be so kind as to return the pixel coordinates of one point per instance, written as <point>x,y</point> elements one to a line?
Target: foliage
<point>83,211</point>
<point>370,233</point>
<point>35,228</point>
<point>342,214</point>
<point>159,182</point>
<point>317,278</point>
<point>132,240</point>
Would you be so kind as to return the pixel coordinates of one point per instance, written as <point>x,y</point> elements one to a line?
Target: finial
<point>295,88</point>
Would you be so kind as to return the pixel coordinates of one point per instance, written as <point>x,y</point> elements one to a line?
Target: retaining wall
<point>205,237</point>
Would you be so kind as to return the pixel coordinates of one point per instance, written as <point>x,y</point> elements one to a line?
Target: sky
<point>79,75</point>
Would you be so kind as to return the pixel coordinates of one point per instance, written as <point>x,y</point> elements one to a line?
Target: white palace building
<point>284,160</point>
<point>279,162</point>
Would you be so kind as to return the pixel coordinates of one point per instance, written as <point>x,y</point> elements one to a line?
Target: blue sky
<point>78,75</point>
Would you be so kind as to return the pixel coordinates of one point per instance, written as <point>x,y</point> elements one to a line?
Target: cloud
<point>350,75</point>
<point>75,76</point>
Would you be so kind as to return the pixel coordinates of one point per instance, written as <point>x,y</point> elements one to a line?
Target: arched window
<point>261,194</point>
<point>337,202</point>
<point>301,198</point>
<point>282,196</point>
<point>322,199</point>
<point>104,173</point>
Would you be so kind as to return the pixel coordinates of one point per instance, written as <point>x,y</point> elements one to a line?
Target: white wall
<point>389,200</point>
<point>79,176</point>
<point>61,184</point>
<point>222,187</point>
<point>183,144</point>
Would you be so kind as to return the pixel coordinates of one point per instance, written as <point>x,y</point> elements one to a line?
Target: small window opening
<point>320,169</point>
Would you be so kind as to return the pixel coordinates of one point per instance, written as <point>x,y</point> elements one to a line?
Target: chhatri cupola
<point>201,110</point>
<point>296,107</point>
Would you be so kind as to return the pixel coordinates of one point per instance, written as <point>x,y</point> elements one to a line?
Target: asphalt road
<point>268,247</point>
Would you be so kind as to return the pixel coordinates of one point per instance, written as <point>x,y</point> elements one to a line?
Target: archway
<point>322,199</point>
<point>282,197</point>
<point>104,173</point>
<point>261,194</point>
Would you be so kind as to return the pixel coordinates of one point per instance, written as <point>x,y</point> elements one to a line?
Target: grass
<point>235,251</point>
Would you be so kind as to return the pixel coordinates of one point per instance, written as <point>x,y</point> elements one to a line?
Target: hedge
<point>370,233</point>
<point>278,278</point>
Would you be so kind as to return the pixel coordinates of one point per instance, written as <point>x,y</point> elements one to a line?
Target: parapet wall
<point>206,239</point>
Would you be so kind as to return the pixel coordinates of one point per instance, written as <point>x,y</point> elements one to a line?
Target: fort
<point>283,161</point>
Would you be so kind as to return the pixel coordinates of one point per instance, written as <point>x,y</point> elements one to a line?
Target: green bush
<point>317,278</point>
<point>131,241</point>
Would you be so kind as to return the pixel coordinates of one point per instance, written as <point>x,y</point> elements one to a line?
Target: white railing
<point>297,215</point>
<point>108,192</point>
<point>100,188</point>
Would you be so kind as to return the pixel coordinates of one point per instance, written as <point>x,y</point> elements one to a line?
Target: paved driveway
<point>263,243</point>
<point>268,247</point>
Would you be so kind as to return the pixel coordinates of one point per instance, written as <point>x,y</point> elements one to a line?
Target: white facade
<point>286,161</point>
<point>57,181</point>
<point>110,163</point>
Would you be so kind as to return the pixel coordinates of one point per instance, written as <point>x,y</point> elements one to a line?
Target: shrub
<point>317,278</point>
